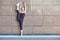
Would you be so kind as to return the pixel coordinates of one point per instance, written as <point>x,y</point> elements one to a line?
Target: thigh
<point>22,17</point>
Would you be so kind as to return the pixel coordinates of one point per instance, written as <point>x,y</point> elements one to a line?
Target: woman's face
<point>22,9</point>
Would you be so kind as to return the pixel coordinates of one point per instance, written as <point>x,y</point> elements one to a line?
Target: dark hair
<point>23,5</point>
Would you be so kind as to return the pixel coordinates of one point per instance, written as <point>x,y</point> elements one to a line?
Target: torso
<point>22,9</point>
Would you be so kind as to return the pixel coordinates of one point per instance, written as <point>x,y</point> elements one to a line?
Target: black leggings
<point>20,18</point>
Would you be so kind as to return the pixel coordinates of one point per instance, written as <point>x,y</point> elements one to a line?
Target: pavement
<point>30,37</point>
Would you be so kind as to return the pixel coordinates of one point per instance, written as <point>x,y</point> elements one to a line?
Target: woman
<point>21,10</point>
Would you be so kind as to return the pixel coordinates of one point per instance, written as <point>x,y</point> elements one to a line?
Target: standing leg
<point>21,23</point>
<point>21,29</point>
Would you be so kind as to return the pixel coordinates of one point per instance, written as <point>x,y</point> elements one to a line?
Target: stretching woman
<point>21,10</point>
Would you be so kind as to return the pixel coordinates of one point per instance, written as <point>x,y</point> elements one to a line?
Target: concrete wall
<point>42,17</point>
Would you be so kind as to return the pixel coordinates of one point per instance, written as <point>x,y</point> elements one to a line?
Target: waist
<point>22,13</point>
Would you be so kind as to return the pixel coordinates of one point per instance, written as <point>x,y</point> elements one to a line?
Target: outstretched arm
<point>17,6</point>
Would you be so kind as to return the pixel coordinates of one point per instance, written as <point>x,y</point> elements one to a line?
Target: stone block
<point>14,20</point>
<point>47,2</point>
<point>46,30</point>
<point>0,2</point>
<point>36,2</point>
<point>28,30</point>
<point>32,20</point>
<point>15,30</point>
<point>0,20</point>
<point>56,10</point>
<point>0,29</point>
<point>6,2</point>
<point>13,10</point>
<point>56,2</point>
<point>0,10</point>
<point>6,20</point>
<point>47,10</point>
<point>48,20</point>
<point>56,20</point>
<point>6,30</point>
<point>6,10</point>
<point>36,10</point>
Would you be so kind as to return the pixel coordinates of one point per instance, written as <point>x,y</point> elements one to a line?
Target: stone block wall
<point>42,17</point>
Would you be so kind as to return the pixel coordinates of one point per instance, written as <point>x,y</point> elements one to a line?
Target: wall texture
<point>42,17</point>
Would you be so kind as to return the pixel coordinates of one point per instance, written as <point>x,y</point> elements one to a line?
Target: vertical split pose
<point>21,10</point>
